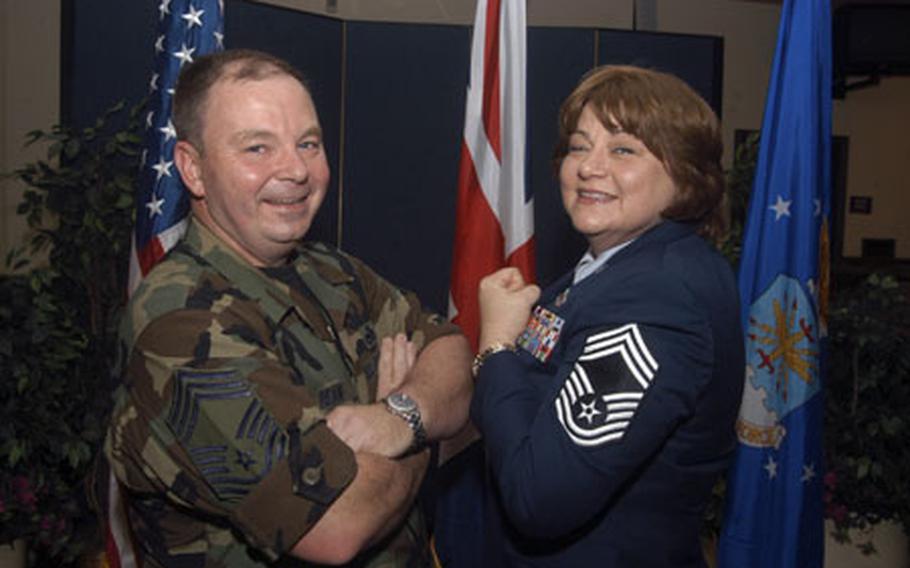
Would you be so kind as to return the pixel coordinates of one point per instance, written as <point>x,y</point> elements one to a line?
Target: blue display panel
<point>391,101</point>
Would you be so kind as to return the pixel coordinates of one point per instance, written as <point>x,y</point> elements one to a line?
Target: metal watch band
<point>405,407</point>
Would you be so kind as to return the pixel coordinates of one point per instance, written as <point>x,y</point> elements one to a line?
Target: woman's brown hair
<point>675,124</point>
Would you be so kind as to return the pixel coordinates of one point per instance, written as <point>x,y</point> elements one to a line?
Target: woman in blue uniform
<point>608,406</point>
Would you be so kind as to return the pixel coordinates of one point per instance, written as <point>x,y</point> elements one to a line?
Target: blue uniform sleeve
<point>563,444</point>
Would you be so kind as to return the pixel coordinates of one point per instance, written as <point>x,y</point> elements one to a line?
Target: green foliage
<point>739,187</point>
<point>59,330</point>
<point>867,396</point>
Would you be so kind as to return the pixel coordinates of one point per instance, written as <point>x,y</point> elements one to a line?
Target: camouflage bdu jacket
<point>218,434</point>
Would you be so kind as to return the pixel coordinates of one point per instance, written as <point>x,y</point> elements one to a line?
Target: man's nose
<point>294,165</point>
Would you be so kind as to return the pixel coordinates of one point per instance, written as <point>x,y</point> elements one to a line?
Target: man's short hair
<point>198,78</point>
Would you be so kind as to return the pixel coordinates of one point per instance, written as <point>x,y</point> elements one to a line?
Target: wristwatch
<point>405,407</point>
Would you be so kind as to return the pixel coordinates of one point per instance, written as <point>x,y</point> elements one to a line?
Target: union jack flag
<point>494,227</point>
<point>494,224</point>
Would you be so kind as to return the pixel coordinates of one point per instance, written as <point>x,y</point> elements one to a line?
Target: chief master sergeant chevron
<point>248,431</point>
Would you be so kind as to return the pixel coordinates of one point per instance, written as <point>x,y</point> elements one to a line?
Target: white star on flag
<point>810,284</point>
<point>168,131</point>
<point>154,206</point>
<point>149,118</point>
<point>808,473</point>
<point>143,158</point>
<point>185,55</point>
<point>164,9</point>
<point>818,207</point>
<point>771,468</point>
<point>153,84</point>
<point>193,17</point>
<point>159,44</point>
<point>163,167</point>
<point>781,208</point>
<point>219,40</point>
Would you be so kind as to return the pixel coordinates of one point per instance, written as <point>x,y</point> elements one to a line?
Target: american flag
<point>186,30</point>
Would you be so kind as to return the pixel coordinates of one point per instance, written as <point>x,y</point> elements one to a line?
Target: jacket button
<point>312,475</point>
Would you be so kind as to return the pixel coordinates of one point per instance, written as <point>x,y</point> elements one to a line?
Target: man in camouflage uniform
<point>249,430</point>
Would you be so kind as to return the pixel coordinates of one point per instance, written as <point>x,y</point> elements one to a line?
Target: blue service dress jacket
<point>606,430</point>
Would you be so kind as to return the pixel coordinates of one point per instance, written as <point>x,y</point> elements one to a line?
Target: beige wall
<point>29,95</point>
<point>749,30</point>
<point>876,120</point>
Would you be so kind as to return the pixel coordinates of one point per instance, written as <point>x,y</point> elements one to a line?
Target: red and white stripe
<point>494,224</point>
<point>142,261</point>
<point>118,544</point>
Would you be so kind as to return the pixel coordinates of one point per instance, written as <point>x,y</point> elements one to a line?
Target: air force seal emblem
<point>781,354</point>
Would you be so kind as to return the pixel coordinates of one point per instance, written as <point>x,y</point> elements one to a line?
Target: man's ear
<point>189,164</point>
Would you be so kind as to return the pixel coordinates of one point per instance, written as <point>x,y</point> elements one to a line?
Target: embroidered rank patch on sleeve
<point>601,394</point>
<point>229,435</point>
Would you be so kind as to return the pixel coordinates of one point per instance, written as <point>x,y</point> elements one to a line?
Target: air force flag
<point>774,493</point>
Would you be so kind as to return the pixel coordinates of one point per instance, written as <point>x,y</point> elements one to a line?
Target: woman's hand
<point>505,304</point>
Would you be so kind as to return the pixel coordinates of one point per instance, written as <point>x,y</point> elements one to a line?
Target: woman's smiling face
<point>613,187</point>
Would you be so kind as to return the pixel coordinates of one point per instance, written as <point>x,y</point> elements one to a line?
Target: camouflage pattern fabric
<point>218,433</point>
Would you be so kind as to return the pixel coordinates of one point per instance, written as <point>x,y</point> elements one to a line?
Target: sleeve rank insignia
<point>608,381</point>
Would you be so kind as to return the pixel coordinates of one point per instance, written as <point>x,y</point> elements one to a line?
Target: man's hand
<point>371,427</point>
<point>505,306</point>
<point>396,357</point>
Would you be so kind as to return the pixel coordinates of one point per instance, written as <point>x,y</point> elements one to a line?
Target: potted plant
<point>58,324</point>
<point>867,396</point>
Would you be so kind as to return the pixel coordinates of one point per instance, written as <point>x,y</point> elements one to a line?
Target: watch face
<point>402,402</point>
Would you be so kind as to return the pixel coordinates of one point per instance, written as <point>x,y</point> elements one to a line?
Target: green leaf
<point>862,468</point>
<point>16,453</point>
<point>72,148</point>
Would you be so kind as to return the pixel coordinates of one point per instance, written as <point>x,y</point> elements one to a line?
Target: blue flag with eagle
<point>774,506</point>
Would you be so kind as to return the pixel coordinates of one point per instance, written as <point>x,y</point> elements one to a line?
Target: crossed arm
<point>376,501</point>
<point>382,492</point>
<point>439,382</point>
